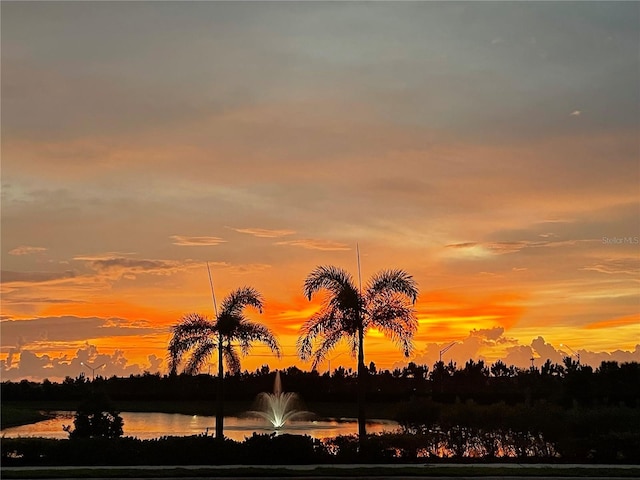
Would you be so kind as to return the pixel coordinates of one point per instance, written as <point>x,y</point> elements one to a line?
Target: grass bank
<point>14,415</point>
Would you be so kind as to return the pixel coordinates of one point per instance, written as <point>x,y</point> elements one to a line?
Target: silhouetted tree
<point>500,369</point>
<point>386,304</point>
<point>96,417</point>
<point>200,337</point>
<point>551,369</point>
<point>571,365</point>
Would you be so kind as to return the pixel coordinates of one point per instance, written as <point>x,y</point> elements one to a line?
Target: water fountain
<point>278,407</point>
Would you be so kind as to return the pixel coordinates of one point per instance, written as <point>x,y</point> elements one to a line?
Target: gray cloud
<point>489,333</point>
<point>120,266</point>
<point>35,277</point>
<point>16,298</point>
<point>244,269</point>
<point>70,329</point>
<point>428,64</point>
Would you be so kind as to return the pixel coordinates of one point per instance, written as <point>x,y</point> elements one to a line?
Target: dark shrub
<point>96,417</point>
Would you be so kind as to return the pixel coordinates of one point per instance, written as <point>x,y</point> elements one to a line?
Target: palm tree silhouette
<point>198,337</point>
<point>347,313</point>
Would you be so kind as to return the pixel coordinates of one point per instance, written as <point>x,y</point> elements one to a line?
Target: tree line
<point>564,385</point>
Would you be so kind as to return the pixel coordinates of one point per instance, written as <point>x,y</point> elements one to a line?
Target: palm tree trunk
<point>362,388</point>
<point>220,399</point>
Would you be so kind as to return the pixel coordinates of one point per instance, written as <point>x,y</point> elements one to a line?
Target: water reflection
<point>147,425</point>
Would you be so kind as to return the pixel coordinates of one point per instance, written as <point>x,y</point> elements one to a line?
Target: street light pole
<point>444,350</point>
<point>572,351</point>
<point>93,369</point>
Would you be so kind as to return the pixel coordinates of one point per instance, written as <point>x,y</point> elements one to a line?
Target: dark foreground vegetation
<point>578,441</point>
<point>558,413</point>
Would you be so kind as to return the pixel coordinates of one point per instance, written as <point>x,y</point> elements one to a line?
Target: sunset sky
<point>490,149</point>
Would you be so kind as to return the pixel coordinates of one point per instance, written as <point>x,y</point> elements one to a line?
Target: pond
<point>147,425</point>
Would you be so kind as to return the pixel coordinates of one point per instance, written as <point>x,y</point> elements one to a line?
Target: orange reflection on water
<point>148,425</point>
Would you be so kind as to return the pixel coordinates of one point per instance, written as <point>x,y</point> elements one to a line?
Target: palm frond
<point>328,343</point>
<point>398,336</point>
<point>192,324</point>
<point>323,320</point>
<point>314,327</point>
<point>237,300</point>
<point>321,324</point>
<point>231,358</point>
<point>395,318</point>
<point>331,278</point>
<point>304,346</point>
<point>199,356</point>
<point>391,308</point>
<point>353,342</point>
<point>187,335</point>
<point>393,281</point>
<point>249,332</point>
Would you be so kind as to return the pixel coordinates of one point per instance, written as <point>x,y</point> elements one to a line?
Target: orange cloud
<point>311,244</point>
<point>185,241</point>
<point>26,250</point>
<point>615,322</point>
<point>284,316</point>
<point>504,309</point>
<point>264,232</point>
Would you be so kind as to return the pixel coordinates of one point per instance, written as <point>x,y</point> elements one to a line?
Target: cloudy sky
<point>490,149</point>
